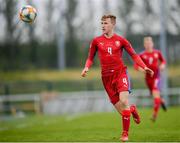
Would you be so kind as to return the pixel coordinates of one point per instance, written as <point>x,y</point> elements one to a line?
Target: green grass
<point>99,127</point>
<point>70,74</point>
<point>47,75</point>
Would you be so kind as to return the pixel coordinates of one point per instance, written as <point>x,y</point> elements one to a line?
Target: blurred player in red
<point>155,61</point>
<point>109,47</point>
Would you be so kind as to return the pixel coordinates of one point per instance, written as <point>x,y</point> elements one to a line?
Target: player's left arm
<point>162,60</point>
<point>136,58</point>
<point>138,68</point>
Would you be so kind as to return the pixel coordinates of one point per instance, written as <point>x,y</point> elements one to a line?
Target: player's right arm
<point>90,59</point>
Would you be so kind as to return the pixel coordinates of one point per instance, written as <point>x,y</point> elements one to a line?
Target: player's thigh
<point>118,107</point>
<point>123,83</point>
<point>156,84</point>
<point>123,97</point>
<point>150,83</point>
<point>155,93</point>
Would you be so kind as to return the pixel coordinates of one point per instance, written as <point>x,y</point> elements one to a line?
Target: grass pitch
<point>92,127</point>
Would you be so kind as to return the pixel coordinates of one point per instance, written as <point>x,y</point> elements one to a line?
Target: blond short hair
<point>112,17</point>
<point>148,38</point>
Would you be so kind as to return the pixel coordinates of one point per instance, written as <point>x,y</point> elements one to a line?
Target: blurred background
<point>41,63</point>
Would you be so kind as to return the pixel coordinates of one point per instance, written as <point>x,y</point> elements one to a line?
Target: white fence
<point>76,102</point>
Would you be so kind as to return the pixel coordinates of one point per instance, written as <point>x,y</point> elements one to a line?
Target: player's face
<point>107,26</point>
<point>148,45</point>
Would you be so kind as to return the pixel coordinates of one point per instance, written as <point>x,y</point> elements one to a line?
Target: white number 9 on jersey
<point>125,81</point>
<point>110,50</point>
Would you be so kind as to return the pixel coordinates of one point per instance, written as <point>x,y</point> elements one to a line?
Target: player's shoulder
<point>142,53</point>
<point>120,37</point>
<point>97,38</point>
<point>156,51</point>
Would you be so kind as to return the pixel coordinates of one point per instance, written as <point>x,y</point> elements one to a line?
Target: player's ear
<point>114,23</point>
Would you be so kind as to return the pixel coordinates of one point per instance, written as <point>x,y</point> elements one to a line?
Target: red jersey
<point>110,53</point>
<point>152,60</point>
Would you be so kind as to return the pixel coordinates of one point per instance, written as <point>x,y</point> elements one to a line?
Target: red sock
<point>157,103</point>
<point>126,120</point>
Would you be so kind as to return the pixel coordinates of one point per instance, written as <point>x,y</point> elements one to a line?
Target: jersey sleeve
<point>91,54</point>
<point>136,58</point>
<point>136,67</point>
<point>161,58</point>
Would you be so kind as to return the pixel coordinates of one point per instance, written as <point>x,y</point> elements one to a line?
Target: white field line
<point>49,122</point>
<point>73,117</point>
<point>76,116</point>
<point>25,125</point>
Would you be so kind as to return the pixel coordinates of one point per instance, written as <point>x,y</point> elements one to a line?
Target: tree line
<point>24,46</point>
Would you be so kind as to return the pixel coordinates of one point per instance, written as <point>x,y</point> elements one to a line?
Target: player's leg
<point>163,105</point>
<point>152,84</point>
<point>133,109</point>
<point>156,97</point>
<point>122,107</point>
<point>135,114</point>
<point>157,103</point>
<point>111,88</point>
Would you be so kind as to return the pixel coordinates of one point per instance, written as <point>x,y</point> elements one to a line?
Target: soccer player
<point>110,48</point>
<point>155,61</point>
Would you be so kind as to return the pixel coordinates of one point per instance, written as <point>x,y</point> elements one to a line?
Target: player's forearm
<point>163,63</point>
<point>134,56</point>
<point>141,69</point>
<point>138,61</point>
<point>138,68</point>
<point>162,66</point>
<point>162,59</point>
<point>89,63</point>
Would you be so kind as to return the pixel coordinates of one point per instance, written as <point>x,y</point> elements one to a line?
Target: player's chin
<point>104,31</point>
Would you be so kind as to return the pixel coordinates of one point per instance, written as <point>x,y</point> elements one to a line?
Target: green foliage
<point>72,49</point>
<point>36,55</point>
<point>92,127</point>
<point>23,87</point>
<point>35,81</point>
<point>28,56</point>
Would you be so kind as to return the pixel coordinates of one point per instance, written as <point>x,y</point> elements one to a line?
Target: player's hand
<point>84,71</point>
<point>149,71</point>
<point>162,67</point>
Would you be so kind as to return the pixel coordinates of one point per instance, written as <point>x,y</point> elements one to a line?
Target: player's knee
<point>124,102</point>
<point>123,98</point>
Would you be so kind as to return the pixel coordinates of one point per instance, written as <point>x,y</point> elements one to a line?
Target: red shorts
<point>116,83</point>
<point>153,84</point>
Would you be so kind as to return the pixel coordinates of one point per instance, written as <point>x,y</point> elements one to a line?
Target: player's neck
<point>149,50</point>
<point>109,35</point>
